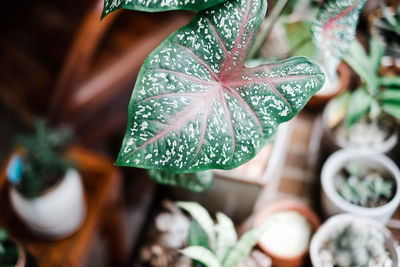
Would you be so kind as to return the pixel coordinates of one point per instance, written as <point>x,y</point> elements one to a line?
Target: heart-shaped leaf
<point>196,182</point>
<point>334,30</point>
<point>196,106</point>
<point>157,5</point>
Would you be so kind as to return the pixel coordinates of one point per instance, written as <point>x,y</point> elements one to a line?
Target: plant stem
<point>266,27</point>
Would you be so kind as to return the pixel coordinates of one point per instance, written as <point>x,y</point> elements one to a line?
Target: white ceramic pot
<point>334,143</point>
<point>57,213</point>
<point>337,223</point>
<point>333,203</point>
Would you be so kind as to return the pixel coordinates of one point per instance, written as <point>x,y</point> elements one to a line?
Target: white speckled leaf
<point>334,29</point>
<point>196,106</point>
<point>196,182</point>
<point>158,5</point>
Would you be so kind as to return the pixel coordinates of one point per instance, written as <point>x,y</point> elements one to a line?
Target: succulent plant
<point>356,245</point>
<point>42,163</point>
<point>363,186</point>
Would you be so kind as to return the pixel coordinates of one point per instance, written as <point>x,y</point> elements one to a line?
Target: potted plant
<point>365,118</point>
<point>196,105</point>
<point>46,191</point>
<point>360,183</point>
<point>348,240</point>
<point>217,245</point>
<point>384,24</point>
<point>11,251</point>
<point>292,223</point>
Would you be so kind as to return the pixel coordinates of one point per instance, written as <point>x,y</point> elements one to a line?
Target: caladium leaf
<point>157,5</point>
<point>334,29</point>
<point>196,182</point>
<point>196,106</point>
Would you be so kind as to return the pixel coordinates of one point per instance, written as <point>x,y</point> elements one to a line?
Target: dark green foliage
<point>8,250</point>
<point>43,159</point>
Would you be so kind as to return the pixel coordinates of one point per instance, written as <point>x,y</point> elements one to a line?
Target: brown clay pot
<point>287,205</point>
<point>319,101</point>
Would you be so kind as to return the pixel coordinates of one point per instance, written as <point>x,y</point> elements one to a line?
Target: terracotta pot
<point>319,100</point>
<point>287,205</point>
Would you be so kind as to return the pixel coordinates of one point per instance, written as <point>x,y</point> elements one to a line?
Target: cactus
<point>363,186</point>
<point>356,245</point>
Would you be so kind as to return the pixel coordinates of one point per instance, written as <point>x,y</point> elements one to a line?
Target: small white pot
<point>58,212</point>
<point>334,143</point>
<point>336,223</point>
<point>333,203</point>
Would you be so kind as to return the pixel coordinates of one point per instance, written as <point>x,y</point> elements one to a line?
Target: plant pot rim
<point>288,204</point>
<point>21,261</point>
<point>336,161</point>
<point>338,221</point>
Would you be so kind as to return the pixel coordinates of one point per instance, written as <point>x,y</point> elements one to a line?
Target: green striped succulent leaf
<point>334,30</point>
<point>195,105</point>
<point>158,5</point>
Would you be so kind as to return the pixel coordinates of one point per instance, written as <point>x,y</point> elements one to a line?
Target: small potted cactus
<point>46,191</point>
<point>361,183</point>
<point>348,240</point>
<point>11,251</point>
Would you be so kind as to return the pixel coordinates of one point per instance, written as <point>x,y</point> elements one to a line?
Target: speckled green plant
<point>334,29</point>
<point>196,106</point>
<point>158,5</point>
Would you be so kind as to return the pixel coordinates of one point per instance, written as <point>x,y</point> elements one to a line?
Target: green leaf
<point>361,63</point>
<point>203,255</point>
<point>376,50</point>
<point>3,235</point>
<point>334,30</point>
<point>197,237</point>
<point>392,109</point>
<point>360,103</point>
<point>196,106</point>
<point>196,182</point>
<point>203,218</point>
<point>226,235</point>
<point>243,247</point>
<point>390,95</point>
<point>390,81</point>
<point>157,5</point>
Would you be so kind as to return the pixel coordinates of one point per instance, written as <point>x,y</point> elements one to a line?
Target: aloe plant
<point>377,94</point>
<point>158,5</point>
<point>196,106</point>
<point>334,30</point>
<point>217,245</point>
